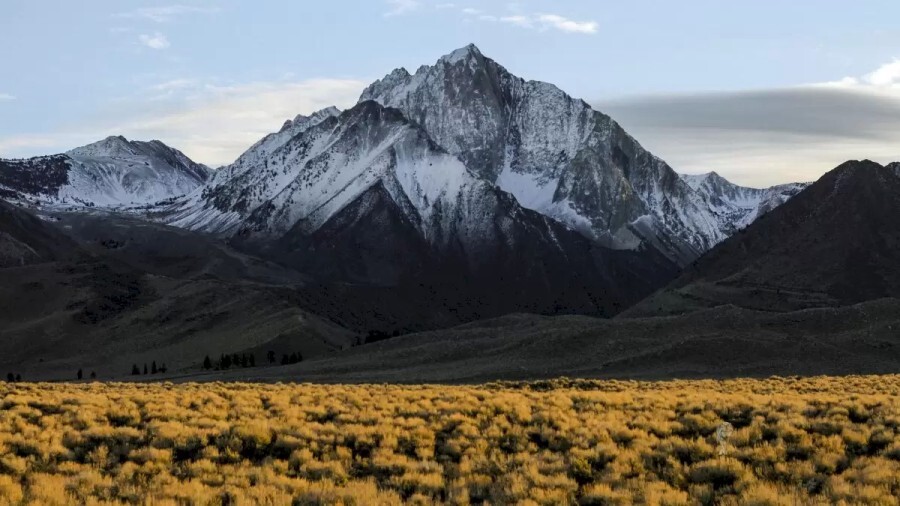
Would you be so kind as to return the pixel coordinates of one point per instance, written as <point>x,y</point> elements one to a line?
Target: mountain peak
<point>855,167</point>
<point>462,54</point>
<point>114,145</point>
<point>853,173</point>
<point>314,118</point>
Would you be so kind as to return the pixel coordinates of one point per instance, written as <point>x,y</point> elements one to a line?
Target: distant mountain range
<point>457,193</point>
<point>110,172</point>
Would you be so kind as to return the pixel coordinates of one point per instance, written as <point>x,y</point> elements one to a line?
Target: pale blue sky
<point>689,79</point>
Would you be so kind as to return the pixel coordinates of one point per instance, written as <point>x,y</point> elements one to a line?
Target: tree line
<point>235,360</point>
<point>227,361</point>
<point>136,371</point>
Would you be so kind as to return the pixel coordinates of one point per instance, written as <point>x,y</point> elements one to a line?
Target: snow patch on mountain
<point>107,173</point>
<point>734,206</point>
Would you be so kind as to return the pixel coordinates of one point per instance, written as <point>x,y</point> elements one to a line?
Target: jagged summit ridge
<point>555,153</point>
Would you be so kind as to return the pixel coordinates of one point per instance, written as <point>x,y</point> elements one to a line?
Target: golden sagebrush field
<point>794,441</point>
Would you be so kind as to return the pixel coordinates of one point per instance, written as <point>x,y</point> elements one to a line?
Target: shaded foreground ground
<point>794,441</point>
<point>722,342</point>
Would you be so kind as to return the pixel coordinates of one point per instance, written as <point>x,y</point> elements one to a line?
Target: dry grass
<point>795,441</point>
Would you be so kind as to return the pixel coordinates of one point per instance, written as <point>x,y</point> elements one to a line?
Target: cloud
<point>400,7</point>
<point>765,137</point>
<point>165,13</point>
<point>886,76</point>
<point>210,122</point>
<point>542,22</point>
<point>154,41</point>
<point>566,25</point>
<point>174,85</point>
<point>6,97</point>
<point>518,20</point>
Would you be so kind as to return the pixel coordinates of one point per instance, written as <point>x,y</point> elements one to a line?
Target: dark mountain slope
<point>123,291</point>
<point>835,243</point>
<point>26,239</point>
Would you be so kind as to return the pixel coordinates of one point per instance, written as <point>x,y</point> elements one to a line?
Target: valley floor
<point>723,342</point>
<point>775,441</point>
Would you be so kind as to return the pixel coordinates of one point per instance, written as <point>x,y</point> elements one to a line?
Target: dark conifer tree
<point>207,363</point>
<point>80,374</point>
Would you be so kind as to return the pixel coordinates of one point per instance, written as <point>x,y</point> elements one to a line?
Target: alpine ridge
<point>557,155</point>
<point>736,207</point>
<point>110,172</point>
<point>368,197</point>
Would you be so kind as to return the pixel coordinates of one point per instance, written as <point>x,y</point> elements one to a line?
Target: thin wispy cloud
<point>154,41</point>
<point>174,84</point>
<point>166,13</point>
<point>536,21</point>
<point>6,97</point>
<point>768,136</point>
<point>400,7</point>
<point>555,21</point>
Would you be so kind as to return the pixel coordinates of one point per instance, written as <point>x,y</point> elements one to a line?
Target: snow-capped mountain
<point>738,206</point>
<point>368,196</point>
<point>110,172</point>
<point>556,154</point>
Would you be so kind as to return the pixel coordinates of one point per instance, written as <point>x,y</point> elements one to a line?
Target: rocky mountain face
<point>368,197</point>
<point>736,207</point>
<point>110,172</point>
<point>556,155</point>
<point>835,243</point>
